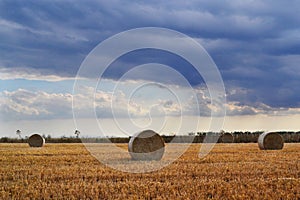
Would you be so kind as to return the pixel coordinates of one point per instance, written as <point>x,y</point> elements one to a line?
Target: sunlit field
<point>230,171</point>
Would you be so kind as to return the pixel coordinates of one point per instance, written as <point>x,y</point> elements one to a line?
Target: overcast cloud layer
<point>255,44</point>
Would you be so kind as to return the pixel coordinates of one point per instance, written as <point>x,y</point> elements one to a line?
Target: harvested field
<point>230,171</point>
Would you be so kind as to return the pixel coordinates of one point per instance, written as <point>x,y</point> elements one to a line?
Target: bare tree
<point>77,133</point>
<point>18,132</point>
<point>222,132</point>
<point>191,134</point>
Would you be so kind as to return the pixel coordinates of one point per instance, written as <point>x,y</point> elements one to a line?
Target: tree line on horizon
<point>198,137</point>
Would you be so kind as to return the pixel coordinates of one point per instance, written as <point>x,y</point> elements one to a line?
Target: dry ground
<point>230,171</point>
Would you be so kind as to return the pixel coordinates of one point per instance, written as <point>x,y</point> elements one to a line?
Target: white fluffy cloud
<point>24,104</point>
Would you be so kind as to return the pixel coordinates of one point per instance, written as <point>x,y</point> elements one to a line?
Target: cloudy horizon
<point>254,44</point>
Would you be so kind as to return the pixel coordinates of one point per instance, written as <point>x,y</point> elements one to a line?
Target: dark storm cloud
<point>140,57</point>
<point>255,44</point>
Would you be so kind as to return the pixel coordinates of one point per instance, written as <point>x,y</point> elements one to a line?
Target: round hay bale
<point>270,141</point>
<point>227,138</point>
<point>36,140</point>
<point>146,145</point>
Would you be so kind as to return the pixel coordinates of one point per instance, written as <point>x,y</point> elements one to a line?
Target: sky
<point>255,46</point>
